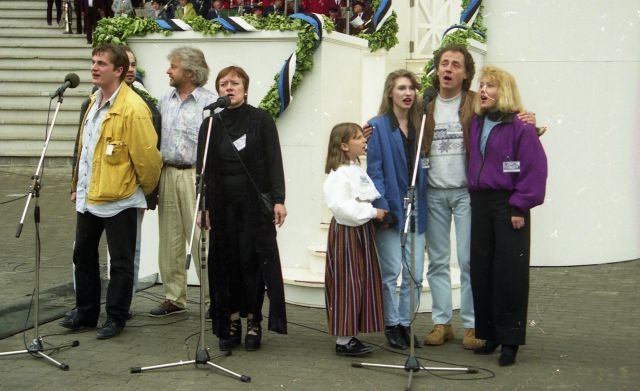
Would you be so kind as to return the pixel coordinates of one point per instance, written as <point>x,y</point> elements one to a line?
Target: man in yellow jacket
<point>118,163</point>
<point>185,10</point>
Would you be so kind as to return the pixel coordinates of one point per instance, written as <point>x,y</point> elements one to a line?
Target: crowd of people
<point>87,13</point>
<point>481,163</point>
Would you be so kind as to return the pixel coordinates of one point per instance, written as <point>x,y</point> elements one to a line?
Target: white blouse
<point>348,192</point>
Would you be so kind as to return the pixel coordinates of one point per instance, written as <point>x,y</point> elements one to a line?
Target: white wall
<point>577,64</point>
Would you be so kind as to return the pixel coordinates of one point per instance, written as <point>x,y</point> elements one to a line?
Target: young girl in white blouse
<point>353,287</point>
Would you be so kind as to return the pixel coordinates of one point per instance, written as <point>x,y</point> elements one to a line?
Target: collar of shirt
<point>112,99</point>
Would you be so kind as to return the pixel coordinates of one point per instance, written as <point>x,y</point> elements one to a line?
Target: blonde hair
<point>341,133</point>
<point>386,106</point>
<point>508,99</point>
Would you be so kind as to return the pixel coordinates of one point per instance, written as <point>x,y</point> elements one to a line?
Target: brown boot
<point>439,335</point>
<point>469,341</point>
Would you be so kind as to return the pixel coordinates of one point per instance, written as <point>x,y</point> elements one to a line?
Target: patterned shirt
<point>180,124</point>
<point>447,154</point>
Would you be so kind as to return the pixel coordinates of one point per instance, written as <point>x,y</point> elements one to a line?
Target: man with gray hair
<point>182,113</point>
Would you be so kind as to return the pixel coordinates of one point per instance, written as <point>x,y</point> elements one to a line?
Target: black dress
<point>243,252</point>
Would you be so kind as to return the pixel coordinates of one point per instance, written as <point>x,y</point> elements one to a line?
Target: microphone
<point>70,81</point>
<point>428,96</point>
<point>484,89</point>
<point>221,103</point>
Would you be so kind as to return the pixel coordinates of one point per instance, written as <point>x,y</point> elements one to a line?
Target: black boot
<point>395,337</point>
<point>508,355</point>
<point>234,338</point>
<point>406,334</point>
<point>488,348</point>
<point>252,341</point>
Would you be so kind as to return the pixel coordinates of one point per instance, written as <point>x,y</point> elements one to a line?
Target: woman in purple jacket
<point>507,175</point>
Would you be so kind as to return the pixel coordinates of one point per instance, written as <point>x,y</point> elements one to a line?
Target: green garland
<point>117,30</point>
<point>460,36</point>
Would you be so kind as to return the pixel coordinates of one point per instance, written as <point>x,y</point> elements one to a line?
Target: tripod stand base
<point>202,358</point>
<point>452,369</point>
<point>36,350</point>
<point>412,365</point>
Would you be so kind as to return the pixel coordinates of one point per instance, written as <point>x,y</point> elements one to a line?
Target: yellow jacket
<point>186,13</point>
<point>134,160</point>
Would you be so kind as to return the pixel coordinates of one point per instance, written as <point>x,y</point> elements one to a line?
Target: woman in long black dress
<point>243,169</point>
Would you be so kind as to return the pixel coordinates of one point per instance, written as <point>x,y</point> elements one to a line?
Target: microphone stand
<point>36,348</point>
<point>412,364</point>
<point>202,354</point>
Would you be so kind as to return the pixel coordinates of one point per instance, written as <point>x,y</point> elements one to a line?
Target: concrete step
<point>25,32</point>
<point>52,42</point>
<point>17,13</point>
<point>44,50</point>
<point>40,75</point>
<point>34,23</point>
<point>33,63</point>
<point>25,5</point>
<point>39,121</point>
<point>25,102</point>
<point>28,116</point>
<point>27,149</point>
<point>40,88</point>
<point>31,131</point>
<point>34,59</point>
<point>303,287</point>
<point>72,98</point>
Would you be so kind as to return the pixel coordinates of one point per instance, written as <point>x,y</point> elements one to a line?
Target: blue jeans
<point>397,309</point>
<point>442,204</point>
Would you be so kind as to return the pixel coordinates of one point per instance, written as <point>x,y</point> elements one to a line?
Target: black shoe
<point>395,337</point>
<point>129,315</point>
<point>508,355</point>
<point>109,329</point>
<point>406,334</point>
<point>353,348</point>
<point>226,344</point>
<point>488,348</point>
<point>73,322</point>
<point>235,336</point>
<point>252,341</point>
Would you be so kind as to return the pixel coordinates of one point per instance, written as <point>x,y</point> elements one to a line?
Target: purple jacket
<point>510,140</point>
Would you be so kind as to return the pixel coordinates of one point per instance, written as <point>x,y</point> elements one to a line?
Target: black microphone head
<point>430,93</point>
<point>224,101</point>
<point>73,80</point>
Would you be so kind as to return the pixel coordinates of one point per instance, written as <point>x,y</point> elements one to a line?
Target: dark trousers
<point>50,10</point>
<point>121,242</point>
<point>499,269</point>
<point>91,18</point>
<point>76,7</point>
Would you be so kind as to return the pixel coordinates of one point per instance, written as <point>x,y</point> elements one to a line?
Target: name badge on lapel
<point>511,166</point>
<point>241,142</point>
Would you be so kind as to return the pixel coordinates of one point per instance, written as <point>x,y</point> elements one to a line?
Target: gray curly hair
<point>192,59</point>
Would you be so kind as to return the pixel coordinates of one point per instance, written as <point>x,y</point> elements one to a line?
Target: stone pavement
<point>582,336</point>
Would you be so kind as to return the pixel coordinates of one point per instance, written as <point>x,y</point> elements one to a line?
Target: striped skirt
<point>353,286</point>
